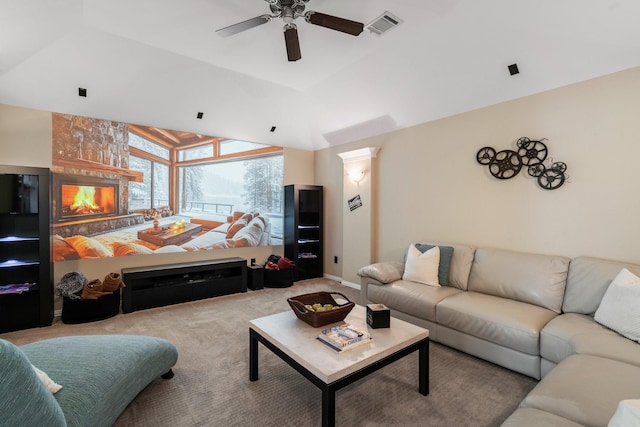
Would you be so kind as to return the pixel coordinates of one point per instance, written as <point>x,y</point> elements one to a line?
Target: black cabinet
<point>160,285</point>
<point>255,277</point>
<point>303,229</point>
<point>26,270</point>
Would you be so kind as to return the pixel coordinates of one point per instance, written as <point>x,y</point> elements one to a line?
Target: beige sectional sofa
<point>531,313</point>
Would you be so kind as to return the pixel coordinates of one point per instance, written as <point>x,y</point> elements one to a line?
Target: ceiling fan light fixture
<point>287,15</point>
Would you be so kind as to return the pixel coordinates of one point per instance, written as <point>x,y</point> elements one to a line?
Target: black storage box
<point>90,310</point>
<point>255,277</point>
<point>378,316</point>
<point>279,278</point>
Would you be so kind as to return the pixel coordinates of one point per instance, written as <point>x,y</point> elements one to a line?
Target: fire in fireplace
<point>87,200</point>
<point>82,197</point>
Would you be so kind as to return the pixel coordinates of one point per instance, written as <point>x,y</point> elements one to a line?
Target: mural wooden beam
<point>135,176</point>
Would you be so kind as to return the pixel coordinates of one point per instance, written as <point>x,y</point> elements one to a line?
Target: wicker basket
<point>320,318</point>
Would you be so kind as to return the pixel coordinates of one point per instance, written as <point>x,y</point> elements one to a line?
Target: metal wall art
<point>532,154</point>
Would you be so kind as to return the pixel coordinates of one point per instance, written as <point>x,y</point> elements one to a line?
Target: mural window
<point>149,146</point>
<point>232,146</point>
<point>202,152</point>
<point>153,192</point>
<point>217,190</point>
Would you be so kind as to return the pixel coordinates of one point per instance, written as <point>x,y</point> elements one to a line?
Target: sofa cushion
<point>446,253</point>
<point>508,323</point>
<point>588,280</point>
<point>620,307</point>
<point>461,261</point>
<point>422,267</point>
<point>531,278</point>
<point>25,401</point>
<point>204,241</point>
<point>531,417</point>
<point>585,389</point>
<point>101,374</point>
<point>574,333</point>
<point>411,298</point>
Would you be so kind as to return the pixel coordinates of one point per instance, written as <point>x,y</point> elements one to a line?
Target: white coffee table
<point>294,341</point>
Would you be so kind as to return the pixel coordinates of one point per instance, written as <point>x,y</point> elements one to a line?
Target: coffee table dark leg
<point>328,406</point>
<point>253,356</point>
<point>423,368</point>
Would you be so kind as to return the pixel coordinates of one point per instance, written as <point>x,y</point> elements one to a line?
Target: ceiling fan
<point>289,11</point>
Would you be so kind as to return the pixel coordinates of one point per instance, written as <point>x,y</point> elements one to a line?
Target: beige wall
<point>430,187</point>
<point>25,137</point>
<point>298,167</point>
<point>25,140</point>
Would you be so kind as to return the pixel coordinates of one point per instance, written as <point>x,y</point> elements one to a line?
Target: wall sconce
<point>355,175</point>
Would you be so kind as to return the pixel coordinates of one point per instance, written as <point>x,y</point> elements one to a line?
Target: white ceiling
<point>159,62</point>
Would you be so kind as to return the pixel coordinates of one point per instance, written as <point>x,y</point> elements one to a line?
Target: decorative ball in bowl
<point>320,308</point>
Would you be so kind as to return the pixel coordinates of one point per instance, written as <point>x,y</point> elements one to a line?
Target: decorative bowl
<point>320,318</point>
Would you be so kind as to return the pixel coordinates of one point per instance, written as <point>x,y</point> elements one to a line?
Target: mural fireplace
<point>84,197</point>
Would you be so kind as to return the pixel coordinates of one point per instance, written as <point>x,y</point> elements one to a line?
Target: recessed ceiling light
<point>273,128</point>
<point>513,69</point>
<point>200,115</point>
<point>82,92</point>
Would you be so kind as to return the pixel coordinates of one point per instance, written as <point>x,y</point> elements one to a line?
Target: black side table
<point>255,277</point>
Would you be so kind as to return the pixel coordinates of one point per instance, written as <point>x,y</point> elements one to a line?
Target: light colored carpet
<point>211,386</point>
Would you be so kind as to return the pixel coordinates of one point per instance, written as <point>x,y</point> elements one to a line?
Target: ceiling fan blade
<point>333,22</point>
<point>244,25</point>
<point>292,42</point>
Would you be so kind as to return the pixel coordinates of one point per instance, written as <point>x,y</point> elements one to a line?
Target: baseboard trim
<point>58,313</point>
<point>342,282</point>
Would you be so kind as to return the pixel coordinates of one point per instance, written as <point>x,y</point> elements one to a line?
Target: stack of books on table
<point>344,337</point>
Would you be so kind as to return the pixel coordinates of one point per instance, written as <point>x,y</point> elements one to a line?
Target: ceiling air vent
<point>383,23</point>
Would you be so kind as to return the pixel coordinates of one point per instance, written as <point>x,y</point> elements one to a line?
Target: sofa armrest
<point>383,272</point>
<point>25,399</point>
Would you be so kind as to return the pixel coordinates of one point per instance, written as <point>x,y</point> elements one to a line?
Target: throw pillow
<point>446,253</point>
<point>88,247</point>
<point>124,249</point>
<point>422,267</point>
<point>248,236</point>
<point>51,385</point>
<point>63,251</point>
<point>235,227</point>
<point>618,309</point>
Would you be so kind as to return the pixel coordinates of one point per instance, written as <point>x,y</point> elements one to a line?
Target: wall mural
<point>120,189</point>
<point>506,164</point>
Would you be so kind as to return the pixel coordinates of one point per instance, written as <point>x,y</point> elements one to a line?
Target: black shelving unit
<point>25,248</point>
<point>303,229</point>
